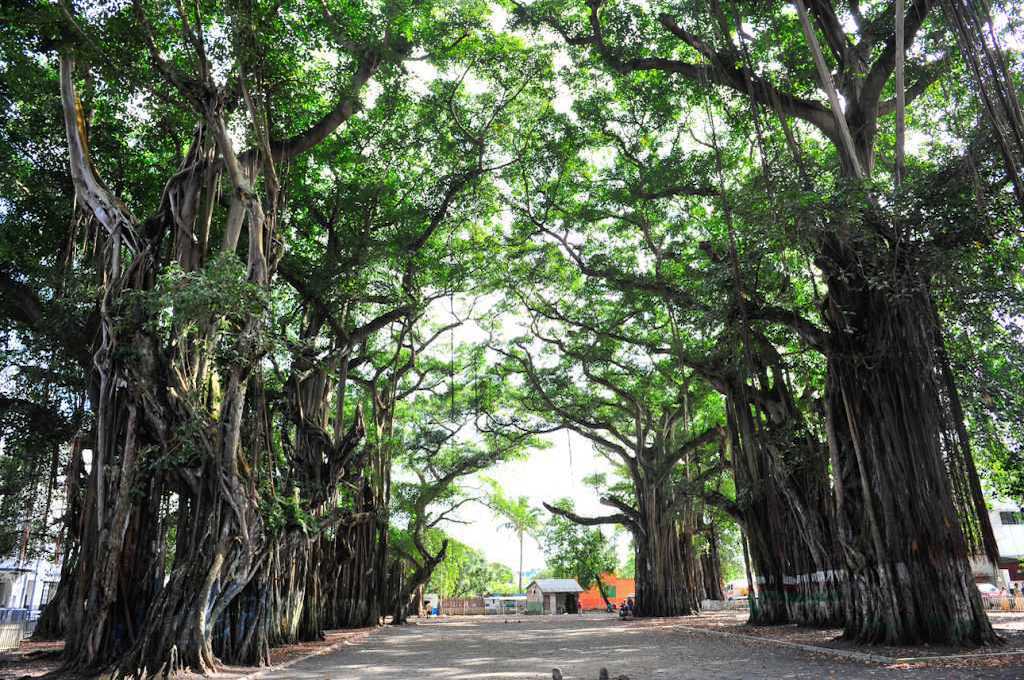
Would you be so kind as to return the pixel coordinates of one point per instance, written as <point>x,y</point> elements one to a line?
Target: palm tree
<point>520,517</point>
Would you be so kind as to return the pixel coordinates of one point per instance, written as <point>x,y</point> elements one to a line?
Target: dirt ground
<point>1009,625</point>
<point>37,659</point>
<point>529,647</point>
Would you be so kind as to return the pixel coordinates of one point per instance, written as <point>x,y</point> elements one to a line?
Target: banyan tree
<point>907,507</point>
<point>258,326</point>
<point>240,240</point>
<point>674,266</point>
<point>650,426</point>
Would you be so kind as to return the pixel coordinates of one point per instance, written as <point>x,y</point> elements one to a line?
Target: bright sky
<point>547,475</point>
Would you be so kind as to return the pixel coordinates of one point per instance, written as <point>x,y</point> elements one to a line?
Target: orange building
<point>617,589</point>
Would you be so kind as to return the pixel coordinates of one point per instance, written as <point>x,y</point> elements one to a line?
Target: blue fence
<point>14,615</point>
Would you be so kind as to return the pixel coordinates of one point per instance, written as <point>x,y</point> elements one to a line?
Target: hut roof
<point>558,585</point>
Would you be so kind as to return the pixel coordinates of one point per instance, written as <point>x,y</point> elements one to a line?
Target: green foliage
<point>574,551</point>
<point>510,234</point>
<point>32,455</point>
<point>517,514</point>
<point>465,572</point>
<point>182,300</point>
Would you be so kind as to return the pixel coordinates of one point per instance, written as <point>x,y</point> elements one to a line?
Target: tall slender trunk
<point>602,591</point>
<point>711,566</point>
<point>520,562</point>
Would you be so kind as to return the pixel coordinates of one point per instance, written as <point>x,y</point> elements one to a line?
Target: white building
<point>27,584</point>
<point>553,596</point>
<point>1008,527</point>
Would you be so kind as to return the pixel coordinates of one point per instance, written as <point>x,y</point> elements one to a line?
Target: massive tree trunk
<point>785,503</point>
<point>897,468</point>
<point>112,581</point>
<point>285,602</point>
<point>711,565</point>
<point>150,400</point>
<point>665,570</point>
<point>762,515</point>
<point>667,567</point>
<point>407,586</point>
<point>221,543</point>
<point>170,440</point>
<point>901,496</point>
<point>350,574</point>
<point>903,486</point>
<point>906,516</point>
<point>362,589</point>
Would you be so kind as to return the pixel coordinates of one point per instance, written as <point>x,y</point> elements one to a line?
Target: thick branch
<point>90,190</point>
<point>284,150</point>
<point>721,70</point>
<point>935,71</point>
<point>708,436</point>
<point>815,337</point>
<point>622,506</point>
<point>618,518</point>
<point>826,19</point>
<point>724,503</point>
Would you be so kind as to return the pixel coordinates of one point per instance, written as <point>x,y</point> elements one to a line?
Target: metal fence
<point>1005,603</point>
<point>509,608</point>
<point>13,624</point>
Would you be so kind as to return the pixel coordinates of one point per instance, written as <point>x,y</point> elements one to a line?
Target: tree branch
<point>880,71</point>
<point>815,337</point>
<point>619,518</point>
<point>721,71</point>
<point>107,208</point>
<point>708,436</point>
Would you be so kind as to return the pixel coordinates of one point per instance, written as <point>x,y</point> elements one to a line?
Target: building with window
<point>27,584</point>
<point>615,588</point>
<point>1008,527</point>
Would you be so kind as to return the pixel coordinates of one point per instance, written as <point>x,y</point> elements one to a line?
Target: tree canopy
<point>279,278</point>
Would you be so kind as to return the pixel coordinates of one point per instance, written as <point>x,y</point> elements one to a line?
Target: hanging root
<point>985,62</point>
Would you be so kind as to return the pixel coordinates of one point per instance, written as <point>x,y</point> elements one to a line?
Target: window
<point>609,592</point>
<point>1011,518</point>
<point>49,590</point>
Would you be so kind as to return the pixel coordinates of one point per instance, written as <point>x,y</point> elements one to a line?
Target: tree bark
<point>785,504</point>
<point>664,558</point>
<point>711,567</point>
<point>909,580</point>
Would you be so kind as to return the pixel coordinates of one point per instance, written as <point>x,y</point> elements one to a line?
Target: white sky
<point>545,476</point>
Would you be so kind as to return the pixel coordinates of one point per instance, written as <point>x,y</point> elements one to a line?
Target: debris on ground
<point>602,675</point>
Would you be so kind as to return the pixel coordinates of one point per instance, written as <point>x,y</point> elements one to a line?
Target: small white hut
<point>553,596</point>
